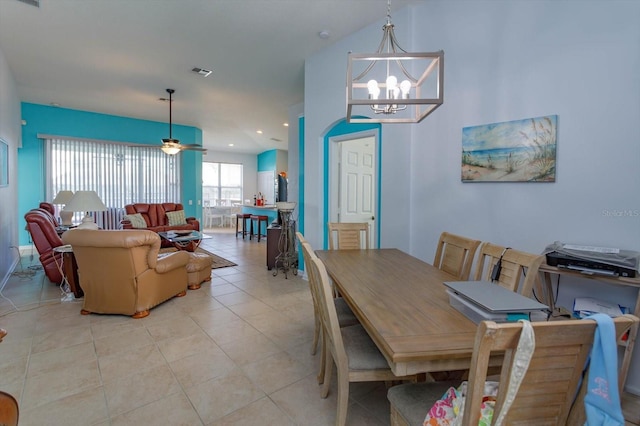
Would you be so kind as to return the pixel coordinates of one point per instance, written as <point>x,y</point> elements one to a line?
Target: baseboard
<point>28,250</point>
<point>632,389</point>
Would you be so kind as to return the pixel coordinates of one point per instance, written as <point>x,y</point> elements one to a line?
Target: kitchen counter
<point>266,207</point>
<point>269,210</point>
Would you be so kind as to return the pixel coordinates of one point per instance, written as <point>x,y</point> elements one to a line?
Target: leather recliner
<point>120,271</point>
<point>49,208</point>
<point>42,228</point>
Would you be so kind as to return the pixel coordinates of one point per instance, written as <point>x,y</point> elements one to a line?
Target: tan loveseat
<point>155,217</point>
<point>120,271</point>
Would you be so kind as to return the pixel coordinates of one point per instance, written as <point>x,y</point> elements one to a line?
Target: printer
<point>593,260</point>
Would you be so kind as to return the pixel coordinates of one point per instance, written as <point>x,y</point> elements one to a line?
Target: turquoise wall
<point>267,161</point>
<point>89,125</point>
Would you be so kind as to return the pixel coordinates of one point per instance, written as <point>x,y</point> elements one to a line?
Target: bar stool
<point>259,219</point>
<point>244,217</point>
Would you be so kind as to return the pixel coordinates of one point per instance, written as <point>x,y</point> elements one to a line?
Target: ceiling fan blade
<point>193,147</point>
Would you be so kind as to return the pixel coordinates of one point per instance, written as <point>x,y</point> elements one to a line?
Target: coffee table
<point>188,242</point>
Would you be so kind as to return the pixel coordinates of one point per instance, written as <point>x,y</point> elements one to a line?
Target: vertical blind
<point>119,173</point>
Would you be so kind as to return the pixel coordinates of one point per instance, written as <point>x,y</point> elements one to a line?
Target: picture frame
<point>512,151</point>
<point>4,163</point>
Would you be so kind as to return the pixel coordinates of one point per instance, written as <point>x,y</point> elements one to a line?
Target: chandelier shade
<point>394,85</point>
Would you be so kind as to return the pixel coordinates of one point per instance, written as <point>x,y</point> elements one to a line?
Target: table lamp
<point>86,201</point>
<point>62,198</point>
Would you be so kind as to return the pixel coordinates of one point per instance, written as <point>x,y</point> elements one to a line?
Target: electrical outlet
<point>190,202</point>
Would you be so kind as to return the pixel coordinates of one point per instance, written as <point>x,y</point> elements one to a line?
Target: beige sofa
<point>120,271</point>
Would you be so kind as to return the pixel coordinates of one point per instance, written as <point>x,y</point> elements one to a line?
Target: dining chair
<point>344,313</point>
<point>548,389</point>
<point>513,265</point>
<point>213,215</point>
<point>355,355</point>
<point>455,255</point>
<point>348,236</point>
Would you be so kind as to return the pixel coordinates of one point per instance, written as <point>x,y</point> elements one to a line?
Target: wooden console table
<point>547,270</point>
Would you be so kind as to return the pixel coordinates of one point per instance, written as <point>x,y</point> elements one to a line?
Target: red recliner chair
<point>48,207</point>
<point>42,227</point>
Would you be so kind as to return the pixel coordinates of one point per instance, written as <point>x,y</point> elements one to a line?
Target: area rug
<point>218,262</point>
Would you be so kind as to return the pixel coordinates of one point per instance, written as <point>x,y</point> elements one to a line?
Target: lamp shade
<point>62,197</point>
<point>85,201</point>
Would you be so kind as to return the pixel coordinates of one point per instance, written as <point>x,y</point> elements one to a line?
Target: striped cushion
<point>176,218</point>
<point>137,221</point>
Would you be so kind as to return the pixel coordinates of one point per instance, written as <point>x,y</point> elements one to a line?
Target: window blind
<point>119,173</point>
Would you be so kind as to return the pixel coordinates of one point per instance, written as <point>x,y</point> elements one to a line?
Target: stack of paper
<point>585,306</point>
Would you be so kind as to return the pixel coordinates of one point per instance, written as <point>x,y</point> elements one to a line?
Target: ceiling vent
<point>276,140</point>
<point>201,71</point>
<point>35,3</point>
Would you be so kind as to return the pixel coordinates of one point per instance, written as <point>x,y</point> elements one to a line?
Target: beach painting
<point>512,151</point>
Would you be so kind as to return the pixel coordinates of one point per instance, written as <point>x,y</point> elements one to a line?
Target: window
<point>221,184</point>
<point>119,173</point>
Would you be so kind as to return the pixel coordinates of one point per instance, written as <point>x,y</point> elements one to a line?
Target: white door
<point>353,189</point>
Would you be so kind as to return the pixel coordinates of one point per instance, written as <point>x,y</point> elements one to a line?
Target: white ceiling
<point>119,56</point>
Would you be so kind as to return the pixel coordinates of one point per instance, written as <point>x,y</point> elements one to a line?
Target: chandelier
<point>373,86</point>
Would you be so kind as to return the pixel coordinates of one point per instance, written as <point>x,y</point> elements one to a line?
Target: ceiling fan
<point>172,146</point>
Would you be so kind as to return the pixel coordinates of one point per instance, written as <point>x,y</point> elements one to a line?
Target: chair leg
<point>140,314</point>
<point>343,401</point>
<point>259,229</point>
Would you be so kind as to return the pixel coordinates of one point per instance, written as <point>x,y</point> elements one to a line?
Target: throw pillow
<point>137,221</point>
<point>176,218</point>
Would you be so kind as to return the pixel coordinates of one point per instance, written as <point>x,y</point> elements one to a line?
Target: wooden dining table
<point>402,303</point>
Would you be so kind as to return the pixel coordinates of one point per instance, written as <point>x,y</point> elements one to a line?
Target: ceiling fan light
<point>170,148</point>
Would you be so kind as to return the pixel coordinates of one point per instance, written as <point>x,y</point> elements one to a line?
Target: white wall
<point>505,60</point>
<point>11,134</point>
<point>512,60</point>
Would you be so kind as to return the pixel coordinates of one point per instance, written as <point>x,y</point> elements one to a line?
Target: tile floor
<point>236,351</point>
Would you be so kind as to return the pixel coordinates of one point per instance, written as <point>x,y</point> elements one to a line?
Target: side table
<point>547,270</point>
<point>273,236</point>
<point>70,269</point>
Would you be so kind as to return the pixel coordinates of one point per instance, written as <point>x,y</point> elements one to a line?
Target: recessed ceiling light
<point>324,34</point>
<point>230,144</point>
<point>259,132</point>
<point>285,124</point>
